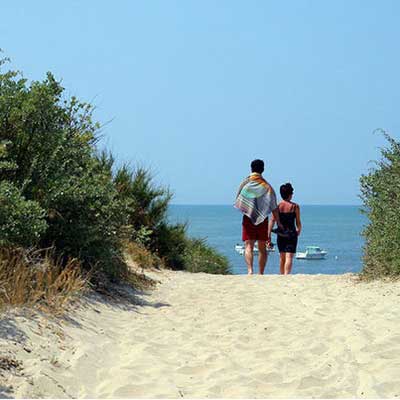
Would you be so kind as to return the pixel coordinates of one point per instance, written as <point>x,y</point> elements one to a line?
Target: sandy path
<point>199,335</point>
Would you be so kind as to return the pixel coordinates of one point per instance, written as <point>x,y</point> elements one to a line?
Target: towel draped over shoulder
<point>256,198</point>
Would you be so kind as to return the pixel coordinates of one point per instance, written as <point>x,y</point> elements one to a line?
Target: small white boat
<point>240,249</point>
<point>312,253</point>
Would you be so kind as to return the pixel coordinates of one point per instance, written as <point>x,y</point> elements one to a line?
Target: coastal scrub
<point>380,191</point>
<point>59,192</point>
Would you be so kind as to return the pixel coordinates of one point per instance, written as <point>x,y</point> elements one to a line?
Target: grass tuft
<point>28,278</point>
<point>141,257</point>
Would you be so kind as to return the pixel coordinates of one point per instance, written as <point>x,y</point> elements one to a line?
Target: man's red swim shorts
<point>254,232</point>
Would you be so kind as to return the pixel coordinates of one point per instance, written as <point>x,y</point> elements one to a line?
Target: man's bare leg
<point>288,263</point>
<point>262,256</point>
<point>248,255</point>
<point>282,263</point>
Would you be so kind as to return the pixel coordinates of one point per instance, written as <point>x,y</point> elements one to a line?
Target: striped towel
<point>256,198</point>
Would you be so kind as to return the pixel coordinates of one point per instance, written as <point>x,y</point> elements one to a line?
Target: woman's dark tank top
<point>288,219</point>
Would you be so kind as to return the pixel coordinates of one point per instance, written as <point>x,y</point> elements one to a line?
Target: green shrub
<point>200,257</point>
<point>381,196</point>
<point>58,191</point>
<point>49,153</point>
<point>149,225</point>
<point>147,215</point>
<point>170,244</point>
<point>88,220</point>
<point>147,203</point>
<point>22,221</point>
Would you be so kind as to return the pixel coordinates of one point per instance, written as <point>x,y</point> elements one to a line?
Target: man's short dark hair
<point>286,191</point>
<point>257,166</point>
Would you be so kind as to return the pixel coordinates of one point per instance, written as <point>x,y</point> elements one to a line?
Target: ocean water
<point>336,229</point>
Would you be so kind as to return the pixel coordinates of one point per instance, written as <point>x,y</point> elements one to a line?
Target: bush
<point>147,215</point>
<point>22,221</point>
<point>151,230</point>
<point>147,203</point>
<point>200,257</point>
<point>381,196</point>
<point>58,191</point>
<point>170,244</point>
<point>49,154</point>
<point>88,220</point>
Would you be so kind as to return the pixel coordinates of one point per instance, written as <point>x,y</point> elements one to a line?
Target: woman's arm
<point>298,220</point>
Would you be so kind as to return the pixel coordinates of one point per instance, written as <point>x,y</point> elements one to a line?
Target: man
<point>256,199</point>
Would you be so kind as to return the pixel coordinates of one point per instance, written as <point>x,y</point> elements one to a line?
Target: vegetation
<point>141,257</point>
<point>199,257</point>
<point>381,196</point>
<point>58,191</point>
<point>30,278</point>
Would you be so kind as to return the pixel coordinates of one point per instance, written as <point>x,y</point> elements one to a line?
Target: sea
<point>336,229</point>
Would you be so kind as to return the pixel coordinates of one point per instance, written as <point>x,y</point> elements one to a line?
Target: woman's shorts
<point>254,232</point>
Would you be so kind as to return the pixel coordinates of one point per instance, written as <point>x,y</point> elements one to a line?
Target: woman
<point>289,214</point>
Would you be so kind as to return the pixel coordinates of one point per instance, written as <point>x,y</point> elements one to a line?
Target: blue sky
<point>197,89</point>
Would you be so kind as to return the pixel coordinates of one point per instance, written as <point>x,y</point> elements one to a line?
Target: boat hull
<point>305,256</point>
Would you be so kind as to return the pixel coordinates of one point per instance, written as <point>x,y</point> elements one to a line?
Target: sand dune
<point>200,336</point>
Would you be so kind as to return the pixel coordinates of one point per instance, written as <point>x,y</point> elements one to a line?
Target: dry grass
<point>39,279</point>
<point>29,278</point>
<point>141,257</point>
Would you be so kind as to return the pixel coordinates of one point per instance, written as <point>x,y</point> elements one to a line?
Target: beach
<point>212,336</point>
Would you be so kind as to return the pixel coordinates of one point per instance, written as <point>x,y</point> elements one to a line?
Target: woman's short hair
<point>286,190</point>
<point>257,166</point>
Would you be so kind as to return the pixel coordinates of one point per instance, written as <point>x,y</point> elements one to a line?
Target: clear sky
<point>197,89</point>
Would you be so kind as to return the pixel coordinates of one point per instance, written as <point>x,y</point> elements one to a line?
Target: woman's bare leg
<point>248,255</point>
<point>282,263</point>
<point>262,256</point>
<point>288,263</point>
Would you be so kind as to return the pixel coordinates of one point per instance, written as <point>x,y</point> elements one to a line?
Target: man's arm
<point>275,211</point>
<point>271,224</point>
